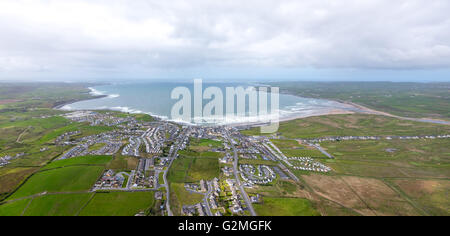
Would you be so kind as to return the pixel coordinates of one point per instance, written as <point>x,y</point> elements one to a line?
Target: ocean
<point>154,98</point>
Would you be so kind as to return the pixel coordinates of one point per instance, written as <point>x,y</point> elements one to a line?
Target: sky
<point>75,40</point>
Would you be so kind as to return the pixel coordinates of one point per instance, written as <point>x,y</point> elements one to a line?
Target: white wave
<point>231,119</point>
<point>113,96</point>
<point>96,92</point>
<point>66,108</point>
<point>126,110</point>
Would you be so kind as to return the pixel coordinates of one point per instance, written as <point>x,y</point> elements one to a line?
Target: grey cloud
<point>119,35</point>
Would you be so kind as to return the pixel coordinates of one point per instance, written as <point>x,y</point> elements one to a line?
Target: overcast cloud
<point>96,37</point>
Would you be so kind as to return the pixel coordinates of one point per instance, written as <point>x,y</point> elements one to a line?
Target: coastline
<point>59,106</point>
<point>89,93</point>
<point>366,110</point>
<point>363,110</point>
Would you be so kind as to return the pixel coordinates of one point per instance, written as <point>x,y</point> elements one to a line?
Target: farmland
<point>286,207</point>
<point>118,204</point>
<point>353,125</point>
<point>193,170</point>
<point>67,179</point>
<point>57,205</point>
<point>391,158</point>
<point>77,161</point>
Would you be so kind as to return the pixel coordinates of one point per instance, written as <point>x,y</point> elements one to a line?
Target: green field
<point>202,154</point>
<point>24,136</point>
<point>431,195</point>
<point>193,170</point>
<point>303,153</point>
<point>179,197</point>
<point>57,205</point>
<point>85,129</point>
<point>353,125</point>
<point>203,145</point>
<point>123,163</point>
<point>68,179</point>
<point>14,208</point>
<point>206,169</point>
<point>292,148</point>
<point>285,207</point>
<point>85,204</point>
<point>178,170</point>
<point>84,160</point>
<point>41,95</point>
<point>119,204</point>
<point>277,189</point>
<point>10,177</point>
<point>391,158</point>
<point>143,117</point>
<point>285,143</point>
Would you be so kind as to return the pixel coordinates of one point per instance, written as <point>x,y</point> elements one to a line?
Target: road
<point>169,212</point>
<point>208,208</point>
<point>238,181</point>
<point>322,151</point>
<point>23,133</point>
<point>172,158</point>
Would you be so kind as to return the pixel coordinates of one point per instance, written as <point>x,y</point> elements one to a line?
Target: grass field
<point>206,169</point>
<point>123,163</point>
<point>180,197</point>
<point>119,204</point>
<point>306,152</point>
<point>178,171</point>
<point>84,160</point>
<point>14,208</point>
<point>285,143</point>
<point>42,95</point>
<point>202,154</point>
<point>193,170</point>
<point>68,179</point>
<point>431,195</point>
<point>34,157</point>
<point>353,125</point>
<point>203,145</point>
<point>85,129</point>
<point>292,148</point>
<point>143,117</point>
<point>285,207</point>
<point>86,204</point>
<point>280,188</point>
<point>57,205</point>
<point>391,158</point>
<point>24,136</point>
<point>11,177</point>
<point>366,196</point>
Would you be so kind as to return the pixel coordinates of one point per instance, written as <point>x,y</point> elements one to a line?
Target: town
<point>245,162</point>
